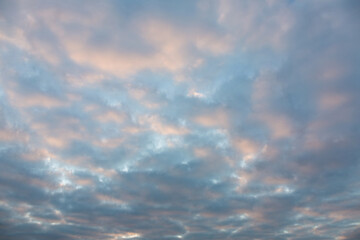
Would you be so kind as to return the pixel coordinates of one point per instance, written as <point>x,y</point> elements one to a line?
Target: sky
<point>194,120</point>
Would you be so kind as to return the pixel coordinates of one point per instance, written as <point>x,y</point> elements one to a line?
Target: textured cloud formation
<point>179,120</point>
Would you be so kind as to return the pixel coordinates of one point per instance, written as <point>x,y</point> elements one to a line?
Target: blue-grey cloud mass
<point>156,120</point>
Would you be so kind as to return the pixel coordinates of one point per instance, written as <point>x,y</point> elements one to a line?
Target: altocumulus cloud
<point>179,119</point>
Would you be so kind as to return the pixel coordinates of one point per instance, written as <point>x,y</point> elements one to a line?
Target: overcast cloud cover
<point>229,119</point>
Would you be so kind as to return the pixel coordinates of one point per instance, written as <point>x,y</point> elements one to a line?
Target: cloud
<point>167,120</point>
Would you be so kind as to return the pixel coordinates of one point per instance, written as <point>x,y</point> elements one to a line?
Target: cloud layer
<point>179,120</point>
